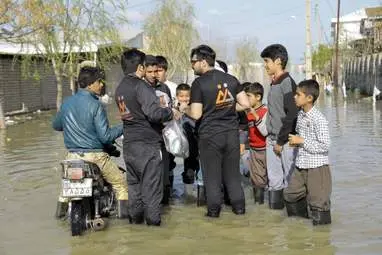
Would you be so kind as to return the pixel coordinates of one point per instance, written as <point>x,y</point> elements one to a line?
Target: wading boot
<point>238,207</point>
<point>136,220</point>
<point>321,217</point>
<point>153,223</point>
<point>123,212</point>
<point>213,213</point>
<point>299,208</point>
<point>276,200</point>
<point>61,209</point>
<point>258,194</point>
<point>188,176</point>
<point>238,211</point>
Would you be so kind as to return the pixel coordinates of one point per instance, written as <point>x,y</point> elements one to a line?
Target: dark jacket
<point>83,119</point>
<point>137,98</point>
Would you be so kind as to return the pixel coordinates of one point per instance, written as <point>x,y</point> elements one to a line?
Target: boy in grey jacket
<point>281,121</point>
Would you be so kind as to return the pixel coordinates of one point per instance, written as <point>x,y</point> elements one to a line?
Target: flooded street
<point>30,176</point>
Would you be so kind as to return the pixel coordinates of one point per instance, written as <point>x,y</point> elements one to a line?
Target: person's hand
<point>277,149</point>
<point>162,101</point>
<point>295,140</point>
<point>183,107</point>
<point>254,113</point>
<point>177,114</point>
<point>242,149</point>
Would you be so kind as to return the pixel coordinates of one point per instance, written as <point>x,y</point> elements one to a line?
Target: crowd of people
<point>287,139</point>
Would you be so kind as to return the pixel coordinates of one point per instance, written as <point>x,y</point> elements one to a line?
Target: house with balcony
<point>360,30</point>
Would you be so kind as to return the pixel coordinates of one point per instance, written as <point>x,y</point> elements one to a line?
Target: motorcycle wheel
<point>77,218</point>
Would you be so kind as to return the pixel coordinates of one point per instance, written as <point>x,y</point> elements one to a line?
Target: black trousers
<point>192,162</point>
<point>166,166</point>
<point>144,169</point>
<point>220,160</point>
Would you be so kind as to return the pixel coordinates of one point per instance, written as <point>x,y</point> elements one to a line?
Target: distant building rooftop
<point>375,12</point>
<point>131,37</point>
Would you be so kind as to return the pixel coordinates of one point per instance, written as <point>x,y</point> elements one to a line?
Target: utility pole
<point>336,60</point>
<point>308,50</point>
<point>319,31</point>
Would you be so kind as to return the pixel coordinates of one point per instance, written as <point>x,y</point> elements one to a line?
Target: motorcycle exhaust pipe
<point>98,224</point>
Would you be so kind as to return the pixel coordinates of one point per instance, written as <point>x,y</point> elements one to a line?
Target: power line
<point>331,7</point>
<point>267,16</point>
<point>321,29</point>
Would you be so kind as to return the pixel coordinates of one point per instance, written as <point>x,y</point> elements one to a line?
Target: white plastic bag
<point>175,140</point>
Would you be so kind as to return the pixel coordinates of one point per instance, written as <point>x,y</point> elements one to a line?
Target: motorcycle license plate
<point>77,189</point>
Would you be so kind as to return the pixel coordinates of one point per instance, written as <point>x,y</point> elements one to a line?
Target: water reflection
<point>29,177</point>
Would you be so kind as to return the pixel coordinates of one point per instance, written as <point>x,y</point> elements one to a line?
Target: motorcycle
<point>91,199</point>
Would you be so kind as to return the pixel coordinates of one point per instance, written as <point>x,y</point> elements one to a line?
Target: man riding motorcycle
<point>83,120</point>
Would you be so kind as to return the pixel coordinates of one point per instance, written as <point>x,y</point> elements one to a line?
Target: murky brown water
<point>29,177</point>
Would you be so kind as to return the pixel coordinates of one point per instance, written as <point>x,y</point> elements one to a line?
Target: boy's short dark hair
<point>162,62</point>
<point>183,87</point>
<point>276,51</point>
<point>255,89</point>
<point>310,88</point>
<point>88,75</point>
<point>223,65</point>
<point>151,60</point>
<point>245,84</point>
<point>204,52</point>
<point>131,59</point>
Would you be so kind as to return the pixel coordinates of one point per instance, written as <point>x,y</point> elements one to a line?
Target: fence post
<point>2,118</point>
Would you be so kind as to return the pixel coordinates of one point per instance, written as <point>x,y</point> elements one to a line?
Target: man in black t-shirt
<point>215,98</point>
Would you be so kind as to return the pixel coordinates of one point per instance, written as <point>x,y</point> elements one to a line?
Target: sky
<point>225,23</point>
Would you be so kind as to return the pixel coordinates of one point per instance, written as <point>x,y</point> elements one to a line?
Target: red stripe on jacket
<point>256,139</point>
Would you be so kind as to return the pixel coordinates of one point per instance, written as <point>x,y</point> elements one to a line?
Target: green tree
<point>171,32</point>
<point>321,58</point>
<point>63,32</point>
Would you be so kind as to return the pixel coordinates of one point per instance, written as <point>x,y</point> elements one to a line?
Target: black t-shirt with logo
<point>217,92</point>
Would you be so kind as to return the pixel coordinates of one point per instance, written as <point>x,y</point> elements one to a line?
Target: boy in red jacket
<point>257,131</point>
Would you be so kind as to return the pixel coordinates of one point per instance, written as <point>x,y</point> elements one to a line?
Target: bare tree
<point>246,52</point>
<point>63,31</point>
<point>171,32</point>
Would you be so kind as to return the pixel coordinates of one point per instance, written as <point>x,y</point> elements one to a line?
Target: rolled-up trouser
<point>280,167</point>
<point>258,168</point>
<point>144,171</point>
<point>315,184</point>
<point>109,169</point>
<point>220,161</point>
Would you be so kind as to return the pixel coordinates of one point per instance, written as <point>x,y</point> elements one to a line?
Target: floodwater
<point>29,177</point>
